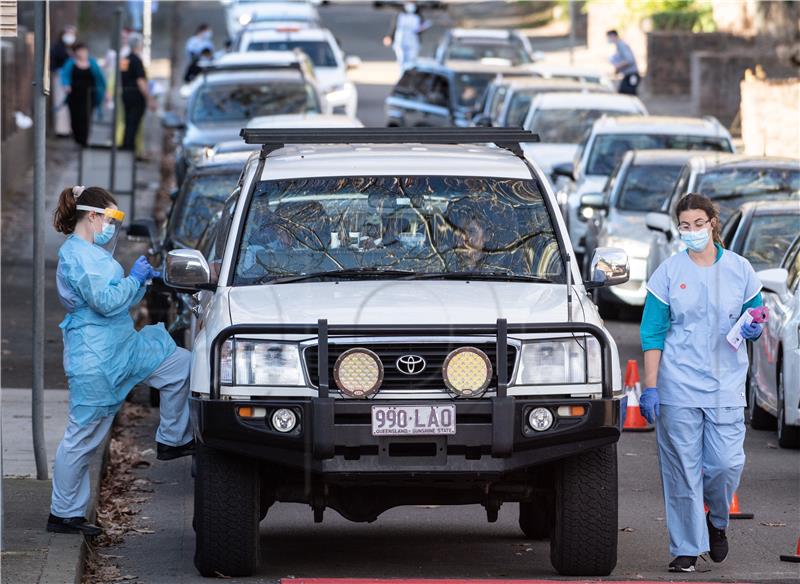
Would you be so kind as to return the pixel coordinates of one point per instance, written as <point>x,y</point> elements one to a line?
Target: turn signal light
<point>571,411</point>
<point>252,412</point>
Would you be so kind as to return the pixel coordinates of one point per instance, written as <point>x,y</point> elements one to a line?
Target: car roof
<point>225,159</point>
<point>536,82</point>
<point>705,161</point>
<point>236,77</point>
<point>288,10</point>
<point>659,124</point>
<point>287,33</point>
<point>465,66</point>
<point>578,100</point>
<point>668,157</point>
<point>307,120</point>
<point>546,69</point>
<point>328,160</point>
<point>256,59</point>
<point>481,33</point>
<point>773,207</point>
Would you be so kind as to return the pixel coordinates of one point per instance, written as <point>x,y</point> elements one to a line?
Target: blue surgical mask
<point>696,240</point>
<point>105,235</point>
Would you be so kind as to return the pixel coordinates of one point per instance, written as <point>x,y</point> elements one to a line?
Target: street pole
<point>41,88</point>
<point>571,32</point>
<point>116,32</point>
<point>147,33</point>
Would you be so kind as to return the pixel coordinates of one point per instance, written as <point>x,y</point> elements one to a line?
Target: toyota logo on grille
<point>410,364</point>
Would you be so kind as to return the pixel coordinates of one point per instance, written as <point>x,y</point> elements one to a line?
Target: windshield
<point>608,149</point>
<point>566,126</point>
<point>470,88</point>
<point>478,50</point>
<point>424,226</point>
<point>768,239</point>
<point>319,52</point>
<point>730,187</point>
<point>240,103</point>
<point>647,187</point>
<point>200,199</point>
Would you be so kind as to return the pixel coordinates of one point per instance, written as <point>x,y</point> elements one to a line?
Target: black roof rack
<point>274,139</point>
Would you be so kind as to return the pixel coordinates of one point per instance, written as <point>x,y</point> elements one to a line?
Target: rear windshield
<point>234,103</point>
<point>478,50</point>
<point>319,52</point>
<point>566,126</point>
<point>608,149</point>
<point>768,239</point>
<point>420,225</point>
<point>647,187</point>
<point>199,200</point>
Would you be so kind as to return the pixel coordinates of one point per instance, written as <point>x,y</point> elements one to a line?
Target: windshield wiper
<point>346,273</point>
<point>495,275</point>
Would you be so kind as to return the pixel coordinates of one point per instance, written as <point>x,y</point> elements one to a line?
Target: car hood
<point>400,302</point>
<point>210,134</point>
<point>630,227</point>
<point>546,156</point>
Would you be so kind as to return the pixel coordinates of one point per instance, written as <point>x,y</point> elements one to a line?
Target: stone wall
<point>715,79</point>
<point>770,116</point>
<point>669,57</point>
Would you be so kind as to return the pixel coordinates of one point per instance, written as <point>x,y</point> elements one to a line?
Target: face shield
<point>106,237</point>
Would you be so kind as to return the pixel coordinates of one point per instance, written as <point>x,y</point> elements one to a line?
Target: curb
<point>66,554</point>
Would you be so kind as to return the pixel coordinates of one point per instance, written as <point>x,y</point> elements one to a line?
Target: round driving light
<point>540,419</point>
<point>284,420</point>
<point>358,373</point>
<point>467,371</point>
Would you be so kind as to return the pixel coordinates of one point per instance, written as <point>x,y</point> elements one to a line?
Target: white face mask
<point>696,240</point>
<point>410,7</point>
<point>68,39</point>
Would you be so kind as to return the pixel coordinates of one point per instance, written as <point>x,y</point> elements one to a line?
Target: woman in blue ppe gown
<point>104,356</point>
<point>696,380</point>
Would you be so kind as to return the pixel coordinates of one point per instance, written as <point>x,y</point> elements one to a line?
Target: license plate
<point>413,420</point>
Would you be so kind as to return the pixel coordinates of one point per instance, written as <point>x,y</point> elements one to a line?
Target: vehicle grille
<point>393,380</point>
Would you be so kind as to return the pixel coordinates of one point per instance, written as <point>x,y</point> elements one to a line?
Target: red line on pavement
<point>457,581</point>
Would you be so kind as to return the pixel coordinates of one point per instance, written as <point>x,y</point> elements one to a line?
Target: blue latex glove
<point>153,273</point>
<point>141,270</point>
<point>650,405</point>
<point>752,331</point>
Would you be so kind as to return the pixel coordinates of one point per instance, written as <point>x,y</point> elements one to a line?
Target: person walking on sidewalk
<point>695,380</point>
<point>85,86</point>
<point>404,35</point>
<point>104,356</point>
<point>60,53</point>
<point>624,64</point>
<point>135,93</point>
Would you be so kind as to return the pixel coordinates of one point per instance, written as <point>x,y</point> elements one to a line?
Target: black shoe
<point>717,541</point>
<point>165,452</point>
<point>72,525</point>
<point>683,564</point>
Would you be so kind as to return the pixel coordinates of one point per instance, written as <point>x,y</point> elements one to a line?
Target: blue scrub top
<point>698,367</point>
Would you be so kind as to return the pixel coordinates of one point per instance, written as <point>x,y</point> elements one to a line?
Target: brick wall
<point>770,116</point>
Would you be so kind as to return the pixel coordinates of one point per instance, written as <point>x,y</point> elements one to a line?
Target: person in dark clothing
<point>135,94</point>
<point>196,66</point>
<point>60,53</point>
<point>85,86</point>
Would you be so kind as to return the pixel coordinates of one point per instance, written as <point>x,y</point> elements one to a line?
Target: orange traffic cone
<point>634,420</point>
<point>795,558</point>
<point>734,512</point>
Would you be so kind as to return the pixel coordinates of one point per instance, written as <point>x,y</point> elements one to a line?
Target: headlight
<point>467,372</point>
<point>573,360</point>
<point>358,373</point>
<point>261,363</point>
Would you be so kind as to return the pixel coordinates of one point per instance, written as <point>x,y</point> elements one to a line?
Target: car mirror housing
<point>775,281</point>
<point>594,201</point>
<point>187,269</point>
<point>609,267</point>
<point>353,62</point>
<point>566,169</point>
<point>659,222</point>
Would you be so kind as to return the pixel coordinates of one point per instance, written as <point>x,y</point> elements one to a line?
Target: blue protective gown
<point>700,430</point>
<point>104,356</point>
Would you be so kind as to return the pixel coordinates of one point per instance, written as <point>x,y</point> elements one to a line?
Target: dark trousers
<point>80,115</point>
<point>630,84</point>
<point>134,112</point>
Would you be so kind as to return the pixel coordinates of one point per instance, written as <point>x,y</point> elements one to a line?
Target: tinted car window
<point>793,266</point>
<point>646,187</point>
<point>408,84</point>
<point>232,103</point>
<point>768,239</point>
<point>608,149</point>
<point>477,50</point>
<point>201,197</point>
<point>319,52</point>
<point>427,225</point>
<point>518,109</point>
<point>565,126</point>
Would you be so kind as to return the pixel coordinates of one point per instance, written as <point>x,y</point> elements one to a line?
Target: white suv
<point>395,317</point>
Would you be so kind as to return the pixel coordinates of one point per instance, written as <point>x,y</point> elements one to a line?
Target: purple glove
<point>752,331</point>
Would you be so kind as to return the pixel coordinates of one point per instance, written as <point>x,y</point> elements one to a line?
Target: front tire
<point>227,513</point>
<point>584,541</point>
<point>788,436</point>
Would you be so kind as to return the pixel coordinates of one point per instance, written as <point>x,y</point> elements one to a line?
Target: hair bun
<point>77,190</point>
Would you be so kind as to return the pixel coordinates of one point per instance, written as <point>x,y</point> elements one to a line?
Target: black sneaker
<point>166,452</point>
<point>683,564</point>
<point>717,541</point>
<point>72,525</point>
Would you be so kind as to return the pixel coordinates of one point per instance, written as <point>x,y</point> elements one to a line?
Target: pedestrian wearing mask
<point>135,93</point>
<point>695,380</point>
<point>104,356</point>
<point>404,35</point>
<point>200,40</point>
<point>60,53</point>
<point>85,86</point>
<point>624,64</point>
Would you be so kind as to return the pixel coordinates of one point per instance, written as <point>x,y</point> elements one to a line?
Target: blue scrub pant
<point>71,488</point>
<point>701,453</point>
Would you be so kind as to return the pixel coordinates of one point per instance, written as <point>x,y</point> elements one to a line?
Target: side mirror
<point>566,169</point>
<point>775,281</point>
<point>659,222</point>
<point>609,267</point>
<point>171,121</point>
<point>187,269</point>
<point>594,201</point>
<point>353,62</point>
<point>482,121</point>
<point>144,229</point>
